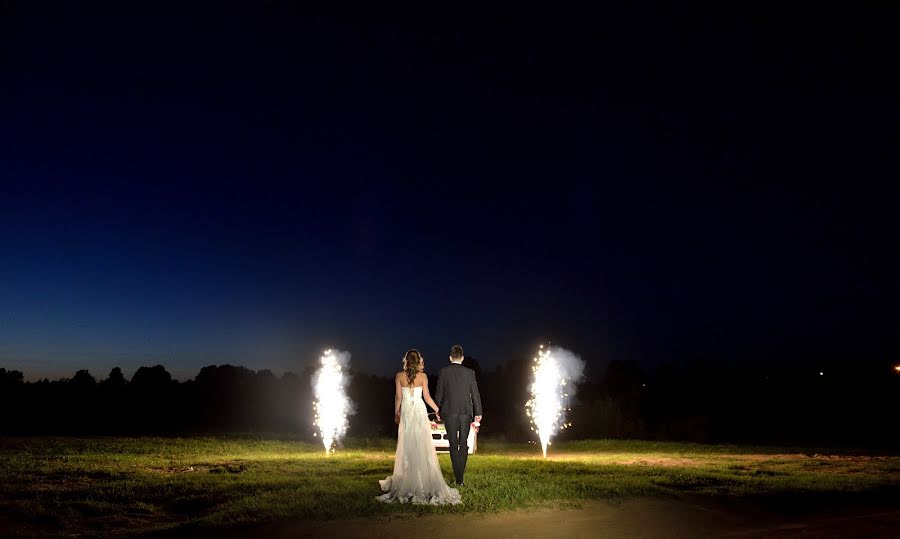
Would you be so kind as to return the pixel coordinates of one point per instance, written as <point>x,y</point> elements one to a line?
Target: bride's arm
<point>427,394</point>
<point>398,398</point>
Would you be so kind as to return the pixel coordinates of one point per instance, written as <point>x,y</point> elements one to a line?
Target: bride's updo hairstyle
<point>412,360</point>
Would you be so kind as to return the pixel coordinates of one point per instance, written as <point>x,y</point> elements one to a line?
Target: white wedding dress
<point>417,474</point>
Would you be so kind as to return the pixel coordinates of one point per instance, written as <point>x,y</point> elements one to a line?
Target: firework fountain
<point>556,370</point>
<point>332,405</point>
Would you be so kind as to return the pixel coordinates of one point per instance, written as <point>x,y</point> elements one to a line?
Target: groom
<point>458,400</point>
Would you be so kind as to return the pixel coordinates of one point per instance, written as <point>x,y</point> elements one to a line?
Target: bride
<point>417,474</point>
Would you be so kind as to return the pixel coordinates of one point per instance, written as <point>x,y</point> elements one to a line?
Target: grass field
<point>107,486</point>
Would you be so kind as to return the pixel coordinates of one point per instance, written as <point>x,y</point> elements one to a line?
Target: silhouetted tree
<point>83,378</point>
<point>10,377</point>
<point>151,377</point>
<point>154,401</point>
<point>12,391</point>
<point>115,378</point>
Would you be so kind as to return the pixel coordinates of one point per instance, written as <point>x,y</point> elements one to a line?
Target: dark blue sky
<point>240,186</point>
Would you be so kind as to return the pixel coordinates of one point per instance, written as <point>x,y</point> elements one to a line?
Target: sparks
<point>332,406</point>
<point>554,369</point>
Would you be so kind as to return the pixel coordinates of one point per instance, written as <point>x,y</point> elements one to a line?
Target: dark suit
<point>458,400</point>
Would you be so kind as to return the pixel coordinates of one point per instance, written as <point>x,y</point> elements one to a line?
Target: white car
<point>442,444</point>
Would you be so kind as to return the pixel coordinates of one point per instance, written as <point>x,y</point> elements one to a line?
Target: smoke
<point>332,405</point>
<point>556,371</point>
<point>571,365</point>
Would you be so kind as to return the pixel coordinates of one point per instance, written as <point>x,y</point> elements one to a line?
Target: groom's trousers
<point>457,426</point>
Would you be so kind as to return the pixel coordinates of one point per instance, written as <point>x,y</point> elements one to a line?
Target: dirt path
<point>642,517</point>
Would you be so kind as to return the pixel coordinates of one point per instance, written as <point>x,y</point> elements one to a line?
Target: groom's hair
<point>456,351</point>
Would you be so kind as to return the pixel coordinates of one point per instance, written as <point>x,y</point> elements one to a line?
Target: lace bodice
<point>410,393</point>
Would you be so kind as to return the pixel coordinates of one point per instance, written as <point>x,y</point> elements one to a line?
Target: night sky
<point>252,186</point>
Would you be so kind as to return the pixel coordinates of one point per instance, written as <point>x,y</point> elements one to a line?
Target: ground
<point>691,516</point>
<point>245,486</point>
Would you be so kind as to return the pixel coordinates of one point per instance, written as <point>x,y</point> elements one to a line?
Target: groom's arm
<point>476,397</point>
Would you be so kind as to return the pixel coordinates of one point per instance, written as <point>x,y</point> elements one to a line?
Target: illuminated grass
<point>103,486</point>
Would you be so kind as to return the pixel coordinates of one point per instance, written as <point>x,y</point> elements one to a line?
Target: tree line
<point>703,401</point>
